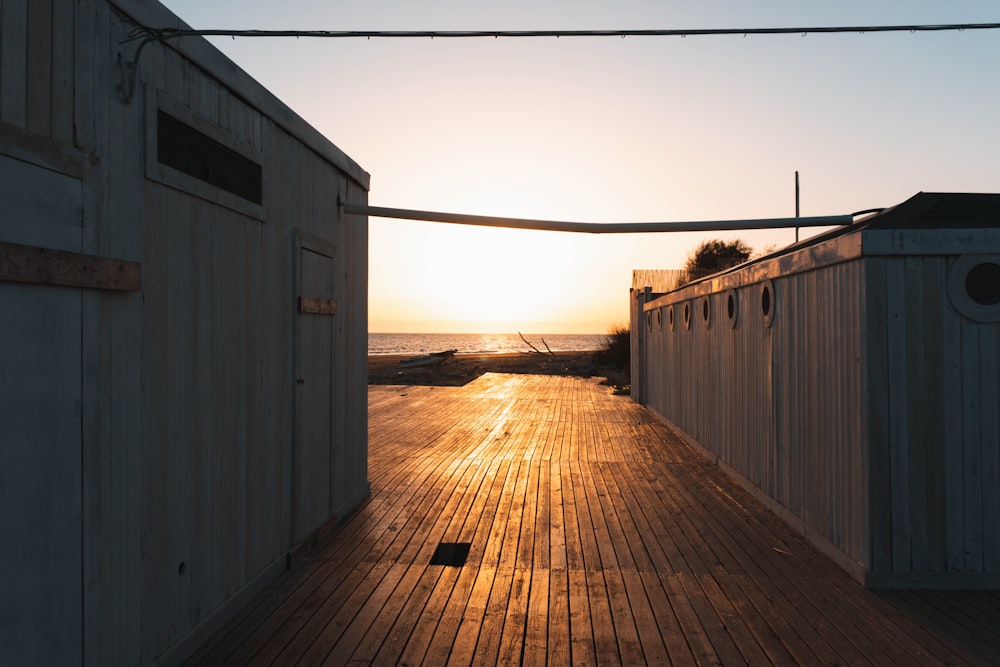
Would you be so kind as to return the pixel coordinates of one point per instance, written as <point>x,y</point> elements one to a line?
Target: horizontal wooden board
<point>315,306</point>
<point>44,266</point>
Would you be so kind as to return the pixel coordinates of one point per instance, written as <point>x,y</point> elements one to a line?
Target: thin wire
<point>172,33</point>
<point>144,35</point>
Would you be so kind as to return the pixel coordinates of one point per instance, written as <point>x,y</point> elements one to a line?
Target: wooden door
<point>41,566</point>
<point>312,486</point>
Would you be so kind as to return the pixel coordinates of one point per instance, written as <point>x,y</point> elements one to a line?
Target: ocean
<point>382,343</point>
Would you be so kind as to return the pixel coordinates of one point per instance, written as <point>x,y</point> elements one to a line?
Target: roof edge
<point>204,54</point>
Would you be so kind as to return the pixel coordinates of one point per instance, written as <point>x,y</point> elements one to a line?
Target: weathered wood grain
<point>13,62</point>
<point>44,266</point>
<point>187,393</point>
<point>867,414</point>
<point>594,541</point>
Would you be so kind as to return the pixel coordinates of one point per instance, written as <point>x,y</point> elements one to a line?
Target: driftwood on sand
<point>537,351</point>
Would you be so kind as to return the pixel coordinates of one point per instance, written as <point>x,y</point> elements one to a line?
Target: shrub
<point>715,255</point>
<point>617,348</point>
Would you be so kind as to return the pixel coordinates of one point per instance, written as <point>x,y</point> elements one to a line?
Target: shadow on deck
<point>595,536</point>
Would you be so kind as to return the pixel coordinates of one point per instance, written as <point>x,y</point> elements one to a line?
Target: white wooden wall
<point>935,424</point>
<point>646,285</point>
<point>778,400</point>
<point>188,419</point>
<point>867,412</point>
<point>40,440</point>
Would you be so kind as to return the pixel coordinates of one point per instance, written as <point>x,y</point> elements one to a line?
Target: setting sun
<point>614,130</point>
<point>485,280</point>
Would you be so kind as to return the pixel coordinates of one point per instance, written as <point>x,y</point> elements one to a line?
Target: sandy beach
<point>463,368</point>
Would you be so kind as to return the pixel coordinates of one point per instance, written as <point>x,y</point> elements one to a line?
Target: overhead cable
<point>144,35</point>
<point>171,33</point>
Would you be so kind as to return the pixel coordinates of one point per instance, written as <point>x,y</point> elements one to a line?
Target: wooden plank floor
<point>596,537</point>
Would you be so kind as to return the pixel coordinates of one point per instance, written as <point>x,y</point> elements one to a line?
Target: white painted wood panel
<point>187,420</point>
<point>770,397</point>
<point>41,495</point>
<point>41,207</point>
<point>868,410</point>
<point>314,443</point>
<point>13,62</point>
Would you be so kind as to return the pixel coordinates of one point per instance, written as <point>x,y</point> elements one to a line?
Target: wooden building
<point>852,382</point>
<point>182,340</point>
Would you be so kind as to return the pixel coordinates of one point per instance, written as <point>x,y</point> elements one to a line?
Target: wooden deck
<point>596,537</point>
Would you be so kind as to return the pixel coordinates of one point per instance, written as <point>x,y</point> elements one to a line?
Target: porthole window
<point>687,314</point>
<point>670,316</point>
<point>974,287</point>
<point>706,311</point>
<point>732,307</point>
<point>982,283</point>
<point>767,302</point>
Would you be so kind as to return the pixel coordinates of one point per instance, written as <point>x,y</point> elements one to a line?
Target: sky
<point>641,129</point>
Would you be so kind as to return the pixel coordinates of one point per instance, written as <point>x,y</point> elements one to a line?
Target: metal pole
<point>796,204</point>
<point>594,227</point>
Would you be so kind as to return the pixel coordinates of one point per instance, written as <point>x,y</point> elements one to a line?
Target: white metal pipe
<point>595,227</point>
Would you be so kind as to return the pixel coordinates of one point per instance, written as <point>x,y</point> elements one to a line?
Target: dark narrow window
<point>185,149</point>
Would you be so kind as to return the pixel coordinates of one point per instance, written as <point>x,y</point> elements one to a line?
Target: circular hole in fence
<point>767,302</point>
<point>182,568</point>
<point>731,307</point>
<point>687,315</point>
<point>659,320</point>
<point>670,317</point>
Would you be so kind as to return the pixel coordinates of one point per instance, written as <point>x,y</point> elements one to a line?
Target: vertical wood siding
<point>41,381</point>
<point>935,424</point>
<point>869,409</point>
<point>781,405</point>
<point>36,67</point>
<point>220,303</point>
<point>188,388</point>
